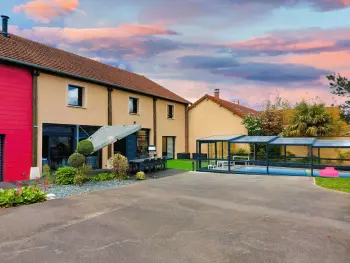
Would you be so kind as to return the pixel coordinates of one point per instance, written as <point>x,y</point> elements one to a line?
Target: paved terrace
<point>189,217</point>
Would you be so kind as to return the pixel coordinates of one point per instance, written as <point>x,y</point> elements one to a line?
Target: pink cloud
<point>127,41</point>
<point>45,11</point>
<point>336,61</point>
<point>276,45</point>
<point>250,95</point>
<point>82,34</point>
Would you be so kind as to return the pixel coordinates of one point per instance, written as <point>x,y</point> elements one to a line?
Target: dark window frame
<point>80,96</point>
<point>135,104</point>
<point>171,113</point>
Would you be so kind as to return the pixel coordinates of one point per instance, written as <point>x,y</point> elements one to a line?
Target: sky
<point>252,50</point>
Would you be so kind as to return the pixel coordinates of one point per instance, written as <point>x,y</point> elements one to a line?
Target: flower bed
<point>22,195</point>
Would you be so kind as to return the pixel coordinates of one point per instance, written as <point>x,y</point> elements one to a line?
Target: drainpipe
<point>110,119</point>
<point>155,121</point>
<point>186,129</point>
<point>35,75</point>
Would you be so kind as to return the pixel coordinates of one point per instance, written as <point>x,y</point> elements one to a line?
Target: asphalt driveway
<point>189,217</point>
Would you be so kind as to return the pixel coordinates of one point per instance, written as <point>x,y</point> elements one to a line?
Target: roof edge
<point>91,80</point>
<point>206,96</point>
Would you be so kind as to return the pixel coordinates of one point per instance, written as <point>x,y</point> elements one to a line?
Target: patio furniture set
<point>147,164</point>
<point>235,159</point>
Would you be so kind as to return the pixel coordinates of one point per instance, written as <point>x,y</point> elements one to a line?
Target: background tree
<point>268,122</point>
<point>310,120</point>
<point>272,116</point>
<point>340,86</point>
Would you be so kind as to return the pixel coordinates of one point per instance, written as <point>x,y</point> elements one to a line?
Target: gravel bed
<point>67,190</point>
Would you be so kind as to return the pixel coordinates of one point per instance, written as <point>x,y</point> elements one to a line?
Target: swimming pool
<point>283,171</point>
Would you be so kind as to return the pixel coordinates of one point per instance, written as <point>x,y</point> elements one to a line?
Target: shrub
<point>76,160</point>
<point>241,152</point>
<point>65,175</point>
<point>103,177</point>
<point>120,165</point>
<point>47,174</point>
<point>79,178</point>
<point>21,196</point>
<point>140,176</point>
<point>85,147</point>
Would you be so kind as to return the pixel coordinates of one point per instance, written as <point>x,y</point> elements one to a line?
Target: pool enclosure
<point>272,155</point>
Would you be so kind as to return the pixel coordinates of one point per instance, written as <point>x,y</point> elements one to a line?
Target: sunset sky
<point>251,50</point>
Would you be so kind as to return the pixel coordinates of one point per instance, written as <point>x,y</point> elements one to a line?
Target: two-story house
<point>51,99</point>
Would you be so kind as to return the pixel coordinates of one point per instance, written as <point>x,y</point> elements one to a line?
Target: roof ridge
<point>34,53</point>
<point>65,51</point>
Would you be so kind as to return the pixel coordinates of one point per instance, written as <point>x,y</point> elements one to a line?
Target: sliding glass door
<point>168,147</point>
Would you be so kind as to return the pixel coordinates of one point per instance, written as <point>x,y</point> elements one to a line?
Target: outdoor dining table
<point>138,163</point>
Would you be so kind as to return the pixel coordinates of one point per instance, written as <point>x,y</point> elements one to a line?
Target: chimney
<point>238,102</point>
<point>5,20</point>
<point>217,93</point>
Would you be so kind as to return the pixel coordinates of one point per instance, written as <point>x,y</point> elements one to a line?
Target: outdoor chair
<point>152,164</point>
<point>158,164</point>
<point>132,168</point>
<point>163,166</point>
<point>146,165</point>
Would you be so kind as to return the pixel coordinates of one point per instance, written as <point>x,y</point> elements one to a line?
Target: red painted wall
<point>16,122</point>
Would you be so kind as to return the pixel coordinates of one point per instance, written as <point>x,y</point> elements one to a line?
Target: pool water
<point>282,171</point>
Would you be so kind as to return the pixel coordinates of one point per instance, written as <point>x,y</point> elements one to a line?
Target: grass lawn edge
<point>342,191</point>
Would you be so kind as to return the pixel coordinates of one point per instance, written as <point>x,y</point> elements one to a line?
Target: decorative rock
<point>61,191</point>
<point>50,196</point>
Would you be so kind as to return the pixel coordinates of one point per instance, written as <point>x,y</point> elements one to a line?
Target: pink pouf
<point>329,172</point>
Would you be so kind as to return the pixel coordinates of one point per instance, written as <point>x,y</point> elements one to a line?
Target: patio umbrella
<point>110,134</point>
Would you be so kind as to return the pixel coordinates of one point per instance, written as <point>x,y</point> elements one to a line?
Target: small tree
<point>340,86</point>
<point>310,120</point>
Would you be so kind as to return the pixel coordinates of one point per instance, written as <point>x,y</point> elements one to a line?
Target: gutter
<point>91,80</point>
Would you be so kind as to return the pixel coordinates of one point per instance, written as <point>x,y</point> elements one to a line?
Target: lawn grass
<point>185,165</point>
<point>339,184</point>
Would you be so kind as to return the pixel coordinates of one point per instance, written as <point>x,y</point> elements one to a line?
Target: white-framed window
<point>75,96</point>
<point>170,111</point>
<point>133,105</point>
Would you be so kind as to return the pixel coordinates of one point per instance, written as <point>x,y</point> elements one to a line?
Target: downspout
<point>110,119</point>
<point>155,121</point>
<point>35,75</point>
<point>186,129</point>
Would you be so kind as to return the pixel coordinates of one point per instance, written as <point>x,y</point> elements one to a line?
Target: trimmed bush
<point>202,155</point>
<point>65,175</point>
<point>184,156</point>
<point>76,160</point>
<point>21,196</point>
<point>140,176</point>
<point>85,147</point>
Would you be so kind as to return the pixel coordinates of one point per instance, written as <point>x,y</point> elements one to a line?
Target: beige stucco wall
<point>120,111</point>
<point>53,101</point>
<point>208,119</point>
<point>171,127</point>
<point>53,108</point>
